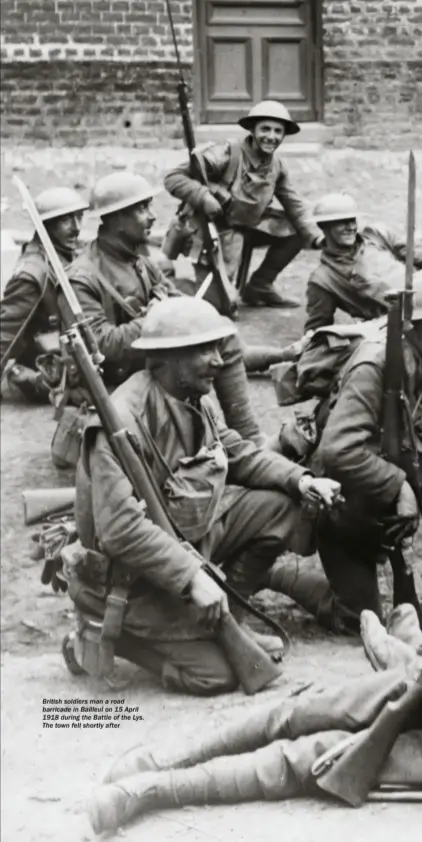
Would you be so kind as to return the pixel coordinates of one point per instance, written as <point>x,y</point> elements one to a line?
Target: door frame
<point>198,109</point>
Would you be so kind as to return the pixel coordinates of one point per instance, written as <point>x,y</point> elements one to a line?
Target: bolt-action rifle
<point>252,666</point>
<point>211,239</point>
<point>397,424</point>
<point>350,770</point>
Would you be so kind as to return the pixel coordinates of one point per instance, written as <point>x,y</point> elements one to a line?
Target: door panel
<point>261,49</point>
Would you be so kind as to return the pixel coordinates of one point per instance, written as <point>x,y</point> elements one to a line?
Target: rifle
<point>395,402</point>
<point>350,770</point>
<point>253,667</point>
<point>211,239</point>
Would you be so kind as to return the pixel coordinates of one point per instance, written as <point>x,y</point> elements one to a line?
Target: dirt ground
<point>48,774</point>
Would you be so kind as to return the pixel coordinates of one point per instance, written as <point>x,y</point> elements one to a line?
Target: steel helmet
<point>335,206</point>
<point>119,190</point>
<point>269,109</point>
<point>59,201</point>
<point>180,322</point>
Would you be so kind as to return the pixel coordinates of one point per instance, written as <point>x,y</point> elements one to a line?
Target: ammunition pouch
<point>67,439</point>
<point>95,640</point>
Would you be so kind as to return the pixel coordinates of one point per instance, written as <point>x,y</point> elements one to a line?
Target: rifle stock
<point>42,503</point>
<point>351,777</point>
<point>245,657</point>
<point>128,450</point>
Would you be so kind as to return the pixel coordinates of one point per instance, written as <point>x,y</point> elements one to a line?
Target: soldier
<point>272,754</point>
<point>245,177</point>
<point>233,501</point>
<point>116,281</point>
<point>29,305</point>
<point>357,268</point>
<point>377,492</point>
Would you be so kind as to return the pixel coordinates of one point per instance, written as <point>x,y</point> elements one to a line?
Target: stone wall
<point>103,71</point>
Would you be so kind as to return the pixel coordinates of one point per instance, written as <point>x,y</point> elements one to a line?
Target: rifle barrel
<point>410,241</point>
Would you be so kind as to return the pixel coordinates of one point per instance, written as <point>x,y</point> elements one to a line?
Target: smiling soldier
<point>358,267</point>
<point>244,180</point>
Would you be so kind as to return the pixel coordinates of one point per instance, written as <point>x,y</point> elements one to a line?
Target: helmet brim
<point>249,122</point>
<point>160,343</point>
<point>334,217</point>
<point>124,203</point>
<point>56,214</point>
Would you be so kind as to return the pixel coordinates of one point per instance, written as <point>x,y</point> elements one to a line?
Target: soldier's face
<point>135,222</point>
<point>65,230</point>
<point>267,136</point>
<point>194,369</point>
<point>341,233</point>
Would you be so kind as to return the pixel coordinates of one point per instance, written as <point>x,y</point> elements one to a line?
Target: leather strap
<point>123,304</point>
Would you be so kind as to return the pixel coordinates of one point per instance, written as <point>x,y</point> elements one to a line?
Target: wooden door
<point>248,50</point>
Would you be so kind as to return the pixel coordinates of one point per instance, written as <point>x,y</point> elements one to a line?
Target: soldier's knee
<point>203,679</point>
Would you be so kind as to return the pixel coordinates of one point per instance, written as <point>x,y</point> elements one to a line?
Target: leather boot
<point>403,623</point>
<point>280,770</point>
<point>351,706</point>
<point>383,650</point>
<point>259,291</point>
<point>311,590</point>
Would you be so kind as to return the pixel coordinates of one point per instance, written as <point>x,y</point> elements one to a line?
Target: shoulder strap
<point>235,160</point>
<point>116,295</point>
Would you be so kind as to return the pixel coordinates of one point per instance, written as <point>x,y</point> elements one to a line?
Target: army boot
<point>277,771</point>
<point>385,651</point>
<point>352,705</point>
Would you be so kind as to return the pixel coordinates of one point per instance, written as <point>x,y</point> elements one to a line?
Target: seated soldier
<point>244,179</point>
<point>116,281</point>
<point>357,268</point>
<point>236,503</point>
<point>29,307</point>
<point>282,750</point>
<point>377,493</point>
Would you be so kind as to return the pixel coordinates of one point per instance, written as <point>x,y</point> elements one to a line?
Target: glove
<point>53,574</point>
<point>211,207</point>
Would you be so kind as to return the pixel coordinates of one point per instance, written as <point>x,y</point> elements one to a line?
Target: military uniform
<point>138,281</point>
<point>356,281</point>
<point>229,498</point>
<point>269,755</point>
<point>250,189</point>
<point>30,290</point>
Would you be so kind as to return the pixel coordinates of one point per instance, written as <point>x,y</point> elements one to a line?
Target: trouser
<point>247,539</point>
<point>280,252</point>
<point>346,585</point>
<point>267,756</point>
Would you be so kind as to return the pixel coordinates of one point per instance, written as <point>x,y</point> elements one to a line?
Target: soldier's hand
<point>211,207</point>
<point>328,489</point>
<point>407,504</point>
<point>208,598</point>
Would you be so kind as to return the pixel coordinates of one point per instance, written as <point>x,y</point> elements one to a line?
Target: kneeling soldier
<point>235,503</point>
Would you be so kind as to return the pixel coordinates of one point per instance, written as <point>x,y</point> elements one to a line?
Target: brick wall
<point>76,71</point>
<point>373,71</point>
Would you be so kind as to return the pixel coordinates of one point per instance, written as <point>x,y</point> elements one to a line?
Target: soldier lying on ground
<point>358,266</point>
<point>245,177</point>
<point>115,282</point>
<point>29,318</point>
<point>270,753</point>
<point>377,493</point>
<point>236,503</point>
